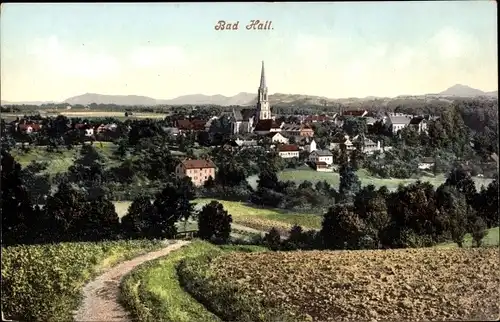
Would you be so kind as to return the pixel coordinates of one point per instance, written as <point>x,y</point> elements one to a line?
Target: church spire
<point>262,77</point>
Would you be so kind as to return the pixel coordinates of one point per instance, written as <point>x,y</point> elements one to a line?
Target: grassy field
<point>152,292</point>
<point>44,282</point>
<point>266,218</point>
<point>365,178</point>
<point>424,284</point>
<point>60,161</point>
<point>491,239</point>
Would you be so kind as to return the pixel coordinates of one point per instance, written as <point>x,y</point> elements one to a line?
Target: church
<point>259,119</point>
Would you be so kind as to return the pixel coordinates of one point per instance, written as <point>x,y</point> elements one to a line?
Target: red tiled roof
<point>198,164</point>
<point>184,124</point>
<point>34,126</point>
<point>191,125</point>
<point>288,148</point>
<point>266,125</point>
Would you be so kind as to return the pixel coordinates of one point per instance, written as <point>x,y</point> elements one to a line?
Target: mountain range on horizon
<point>242,99</point>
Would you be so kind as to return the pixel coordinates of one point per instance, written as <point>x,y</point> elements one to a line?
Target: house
<point>396,122</point>
<point>369,147</point>
<point>342,142</point>
<point>170,130</point>
<point>106,127</point>
<point>311,146</point>
<point>355,113</point>
<point>277,137</point>
<point>191,125</point>
<point>29,128</point>
<point>426,163</point>
<point>287,151</point>
<point>419,123</point>
<point>198,170</point>
<point>370,120</point>
<point>316,118</point>
<point>297,130</point>
<point>323,167</point>
<point>246,143</point>
<point>264,127</point>
<point>321,156</point>
<point>306,131</point>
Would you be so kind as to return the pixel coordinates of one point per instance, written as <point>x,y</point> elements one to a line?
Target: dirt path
<point>100,302</point>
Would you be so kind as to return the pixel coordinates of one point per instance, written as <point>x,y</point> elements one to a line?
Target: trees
<point>462,181</point>
<point>342,228</point>
<point>214,223</point>
<point>99,221</point>
<point>487,204</point>
<point>135,224</point>
<point>478,231</point>
<point>453,210</point>
<point>273,239</point>
<point>63,213</point>
<point>172,204</point>
<point>349,183</point>
<point>18,216</point>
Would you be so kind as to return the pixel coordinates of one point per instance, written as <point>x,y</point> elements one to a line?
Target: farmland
<point>406,284</point>
<point>92,114</point>
<point>266,218</point>
<point>43,282</point>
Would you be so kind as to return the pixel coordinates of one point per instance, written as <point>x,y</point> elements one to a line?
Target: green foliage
<point>214,223</point>
<point>152,291</point>
<point>273,239</point>
<point>478,231</point>
<point>43,282</point>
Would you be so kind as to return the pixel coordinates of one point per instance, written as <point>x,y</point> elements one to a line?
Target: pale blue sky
<point>54,51</point>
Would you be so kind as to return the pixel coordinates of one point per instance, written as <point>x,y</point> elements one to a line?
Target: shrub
<point>273,239</point>
<point>43,282</point>
<point>478,231</point>
<point>214,223</point>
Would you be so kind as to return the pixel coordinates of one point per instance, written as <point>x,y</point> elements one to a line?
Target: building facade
<point>198,170</point>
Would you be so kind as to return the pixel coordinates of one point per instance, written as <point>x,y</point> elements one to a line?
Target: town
<point>262,206</point>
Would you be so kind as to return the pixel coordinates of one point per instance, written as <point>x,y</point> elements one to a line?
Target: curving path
<point>100,297</point>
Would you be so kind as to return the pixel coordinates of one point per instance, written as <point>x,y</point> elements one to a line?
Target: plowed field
<point>410,284</point>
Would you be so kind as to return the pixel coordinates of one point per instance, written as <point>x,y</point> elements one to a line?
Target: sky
<point>50,52</point>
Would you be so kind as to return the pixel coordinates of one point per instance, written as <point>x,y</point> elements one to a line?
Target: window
<point>195,178</point>
<point>206,177</point>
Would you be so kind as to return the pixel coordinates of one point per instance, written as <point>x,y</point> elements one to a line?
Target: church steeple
<point>262,77</point>
<point>263,108</point>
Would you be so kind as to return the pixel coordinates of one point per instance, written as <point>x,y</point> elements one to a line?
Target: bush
<point>43,282</point>
<point>214,223</point>
<point>273,239</point>
<point>478,231</point>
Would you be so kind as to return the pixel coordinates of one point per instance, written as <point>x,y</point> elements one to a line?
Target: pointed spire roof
<point>262,77</point>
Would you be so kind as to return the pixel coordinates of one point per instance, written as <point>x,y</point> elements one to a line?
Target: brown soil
<point>384,285</point>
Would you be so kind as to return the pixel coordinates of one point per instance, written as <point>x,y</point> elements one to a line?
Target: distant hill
<point>465,91</point>
<point>250,99</point>
<point>26,103</point>
<point>90,98</point>
<point>200,99</point>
